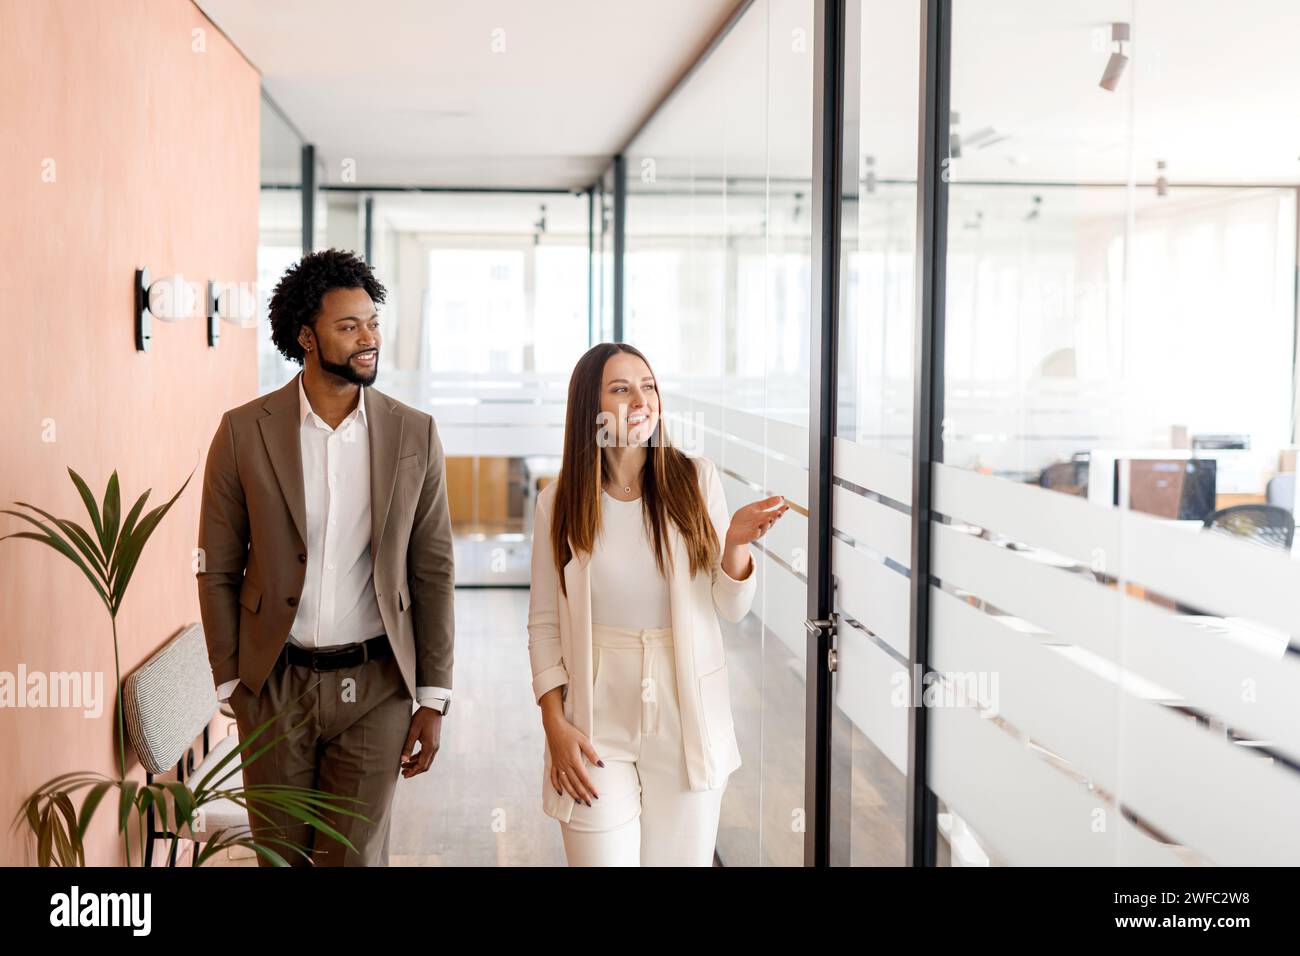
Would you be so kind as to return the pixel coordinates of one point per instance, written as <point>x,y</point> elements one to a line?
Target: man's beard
<point>346,372</point>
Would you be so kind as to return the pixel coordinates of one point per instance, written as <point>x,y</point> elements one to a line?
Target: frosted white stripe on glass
<point>868,683</point>
<point>1212,571</point>
<point>873,594</point>
<point>1229,804</point>
<point>1039,692</point>
<point>880,471</point>
<point>876,525</point>
<point>1255,694</point>
<point>1023,809</point>
<point>782,601</point>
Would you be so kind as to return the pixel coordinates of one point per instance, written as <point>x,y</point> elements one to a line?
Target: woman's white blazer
<point>559,642</point>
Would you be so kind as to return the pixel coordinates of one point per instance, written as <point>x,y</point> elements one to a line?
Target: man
<point>326,578</point>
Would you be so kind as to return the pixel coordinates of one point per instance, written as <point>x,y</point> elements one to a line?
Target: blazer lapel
<point>577,582</point>
<point>280,426</point>
<point>384,428</point>
<point>679,603</point>
<point>682,609</point>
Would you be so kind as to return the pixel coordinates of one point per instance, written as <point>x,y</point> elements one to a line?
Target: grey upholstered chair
<point>168,703</point>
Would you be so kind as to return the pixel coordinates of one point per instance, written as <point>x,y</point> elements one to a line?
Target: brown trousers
<point>355,721</point>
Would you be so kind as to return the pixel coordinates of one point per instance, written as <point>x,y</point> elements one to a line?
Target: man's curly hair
<point>297,296</point>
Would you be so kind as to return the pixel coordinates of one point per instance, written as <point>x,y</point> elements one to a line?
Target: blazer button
<point>302,559</point>
<point>293,602</point>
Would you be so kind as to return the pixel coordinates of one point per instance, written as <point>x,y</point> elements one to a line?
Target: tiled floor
<point>481,802</point>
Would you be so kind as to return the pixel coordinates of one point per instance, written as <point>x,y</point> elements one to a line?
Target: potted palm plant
<point>107,558</point>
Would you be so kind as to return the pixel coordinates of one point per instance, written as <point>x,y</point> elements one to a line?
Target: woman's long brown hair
<point>670,490</point>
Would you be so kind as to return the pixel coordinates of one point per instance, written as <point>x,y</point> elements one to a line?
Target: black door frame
<point>927,408</point>
<point>836,23</point>
<point>828,169</point>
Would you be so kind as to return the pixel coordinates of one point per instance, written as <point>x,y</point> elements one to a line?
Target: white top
<point>627,589</point>
<point>338,605</point>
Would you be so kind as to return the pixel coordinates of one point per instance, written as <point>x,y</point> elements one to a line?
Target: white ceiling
<point>454,93</point>
<point>1212,88</point>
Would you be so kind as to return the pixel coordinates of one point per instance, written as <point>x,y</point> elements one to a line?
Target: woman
<point>632,549</point>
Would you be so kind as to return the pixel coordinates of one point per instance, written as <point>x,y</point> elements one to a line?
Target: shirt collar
<point>305,409</point>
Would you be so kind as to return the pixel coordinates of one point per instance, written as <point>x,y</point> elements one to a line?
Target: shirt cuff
<point>435,697</point>
<point>224,690</point>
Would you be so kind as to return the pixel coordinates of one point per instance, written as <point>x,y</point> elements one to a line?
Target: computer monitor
<point>1181,488</point>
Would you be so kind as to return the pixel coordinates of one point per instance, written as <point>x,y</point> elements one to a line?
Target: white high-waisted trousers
<point>647,814</point>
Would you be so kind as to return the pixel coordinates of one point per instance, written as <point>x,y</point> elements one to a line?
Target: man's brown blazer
<point>252,530</point>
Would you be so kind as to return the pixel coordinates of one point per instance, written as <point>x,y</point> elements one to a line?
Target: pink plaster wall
<point>154,146</point>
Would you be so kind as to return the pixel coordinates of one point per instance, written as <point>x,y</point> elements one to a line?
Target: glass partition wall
<point>1113,576</point>
<point>717,296</point>
<point>1059,405</point>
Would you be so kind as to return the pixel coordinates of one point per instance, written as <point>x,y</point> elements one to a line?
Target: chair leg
<point>180,778</point>
<point>149,836</point>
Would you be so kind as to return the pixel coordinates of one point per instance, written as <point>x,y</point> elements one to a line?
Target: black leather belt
<point>337,658</point>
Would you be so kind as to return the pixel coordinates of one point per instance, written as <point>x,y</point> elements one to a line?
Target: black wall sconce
<point>143,327</point>
<point>214,317</point>
<point>233,302</point>
<point>172,299</point>
<point>169,299</point>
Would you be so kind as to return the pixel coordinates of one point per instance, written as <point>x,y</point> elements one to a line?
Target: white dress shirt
<point>337,605</point>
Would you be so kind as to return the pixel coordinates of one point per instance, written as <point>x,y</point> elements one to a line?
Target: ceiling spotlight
<point>1162,181</point>
<point>1119,35</point>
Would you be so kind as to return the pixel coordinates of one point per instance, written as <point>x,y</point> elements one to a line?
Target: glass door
<point>870,548</point>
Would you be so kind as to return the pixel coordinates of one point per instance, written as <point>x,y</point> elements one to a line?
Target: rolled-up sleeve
<point>544,653</point>
<point>733,598</point>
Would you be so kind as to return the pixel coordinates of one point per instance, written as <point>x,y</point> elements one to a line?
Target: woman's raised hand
<point>755,519</point>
